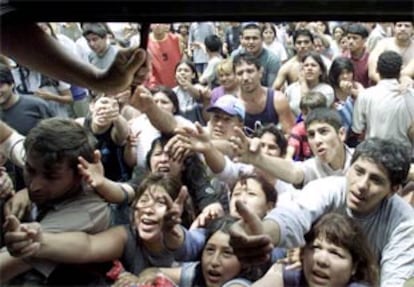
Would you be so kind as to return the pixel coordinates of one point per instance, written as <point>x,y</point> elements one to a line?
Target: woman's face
<point>160,161</point>
<point>268,36</point>
<point>218,262</point>
<point>269,145</point>
<point>163,102</point>
<point>150,210</point>
<point>337,34</point>
<point>346,75</point>
<point>311,69</point>
<point>326,264</point>
<point>252,195</point>
<point>227,79</point>
<point>343,44</point>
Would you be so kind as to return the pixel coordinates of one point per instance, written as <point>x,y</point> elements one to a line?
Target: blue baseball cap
<point>230,105</point>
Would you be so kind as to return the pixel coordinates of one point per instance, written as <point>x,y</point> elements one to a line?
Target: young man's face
<point>269,146</point>
<point>221,124</point>
<point>326,143</point>
<point>46,185</point>
<point>248,76</point>
<point>96,43</point>
<point>368,185</point>
<point>303,44</point>
<point>355,42</point>
<point>252,39</point>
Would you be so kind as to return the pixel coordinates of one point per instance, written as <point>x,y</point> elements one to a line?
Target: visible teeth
<point>148,221</point>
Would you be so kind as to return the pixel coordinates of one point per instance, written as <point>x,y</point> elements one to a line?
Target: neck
<point>358,53</point>
<point>339,161</point>
<point>252,96</point>
<point>340,95</point>
<point>312,84</point>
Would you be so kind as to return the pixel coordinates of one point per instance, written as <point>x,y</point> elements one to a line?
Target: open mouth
<point>213,276</point>
<point>164,169</point>
<point>320,277</point>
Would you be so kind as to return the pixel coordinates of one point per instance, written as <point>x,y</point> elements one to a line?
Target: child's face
<point>325,142</point>
<point>150,210</point>
<point>252,195</point>
<point>218,262</point>
<point>327,264</point>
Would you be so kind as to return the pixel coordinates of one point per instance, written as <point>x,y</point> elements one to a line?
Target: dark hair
<point>251,25</point>
<point>99,29</point>
<point>344,232</point>
<point>270,26</point>
<point>57,140</point>
<point>302,32</point>
<point>358,29</point>
<point>323,78</point>
<point>268,189</point>
<point>246,58</point>
<point>278,133</point>
<point>170,94</point>
<point>6,75</point>
<point>222,224</point>
<point>324,115</point>
<point>194,174</point>
<point>392,155</point>
<point>339,65</point>
<point>213,43</point>
<point>194,80</point>
<point>170,184</point>
<point>389,65</point>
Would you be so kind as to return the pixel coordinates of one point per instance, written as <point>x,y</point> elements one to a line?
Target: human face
<point>248,77</point>
<point>227,79</point>
<point>160,161</point>
<point>6,93</point>
<point>346,75</point>
<point>368,185</point>
<point>253,41</point>
<point>403,30</point>
<point>344,44</point>
<point>252,195</point>
<point>311,69</point>
<point>319,47</point>
<point>268,36</point>
<point>326,264</point>
<point>325,142</point>
<point>184,72</point>
<point>221,124</point>
<point>303,44</point>
<point>218,262</point>
<point>337,34</point>
<point>47,185</point>
<point>163,102</point>
<point>355,42</point>
<point>269,146</point>
<point>159,29</point>
<point>96,43</point>
<point>150,210</point>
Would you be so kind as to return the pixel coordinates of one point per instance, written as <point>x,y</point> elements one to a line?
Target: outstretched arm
<point>111,191</point>
<point>128,66</point>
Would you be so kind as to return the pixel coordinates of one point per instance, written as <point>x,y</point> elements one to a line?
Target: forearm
<point>5,132</point>
<point>174,239</point>
<point>130,155</point>
<point>120,130</point>
<point>214,159</point>
<point>161,120</point>
<point>64,98</point>
<point>224,147</point>
<point>11,267</point>
<point>65,67</point>
<point>114,192</point>
<point>280,168</point>
<point>272,229</point>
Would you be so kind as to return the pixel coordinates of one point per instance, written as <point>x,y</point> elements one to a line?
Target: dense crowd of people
<point>225,154</point>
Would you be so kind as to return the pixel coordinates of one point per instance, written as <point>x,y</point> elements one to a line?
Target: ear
<point>342,134</point>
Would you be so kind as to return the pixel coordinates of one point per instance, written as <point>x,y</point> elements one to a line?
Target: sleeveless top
<point>112,155</point>
<point>268,115</point>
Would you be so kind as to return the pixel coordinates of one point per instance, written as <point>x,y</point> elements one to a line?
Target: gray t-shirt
<point>390,228</point>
